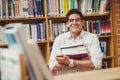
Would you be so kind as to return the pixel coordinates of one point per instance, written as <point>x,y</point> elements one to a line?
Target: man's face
<point>75,23</point>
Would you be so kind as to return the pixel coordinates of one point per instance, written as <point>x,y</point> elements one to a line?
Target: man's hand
<point>62,59</point>
<point>86,58</point>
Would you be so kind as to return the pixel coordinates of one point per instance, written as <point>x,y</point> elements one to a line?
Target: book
<point>74,51</point>
<point>31,8</point>
<point>36,66</point>
<point>15,44</point>
<point>103,45</point>
<point>104,64</point>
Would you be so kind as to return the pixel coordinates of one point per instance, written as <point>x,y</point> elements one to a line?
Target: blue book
<point>103,47</point>
<point>38,7</point>
<point>42,26</point>
<point>41,7</point>
<point>38,32</point>
<point>48,7</point>
<point>97,27</point>
<point>31,12</point>
<point>72,4</point>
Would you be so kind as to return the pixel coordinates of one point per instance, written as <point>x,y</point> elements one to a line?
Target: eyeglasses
<point>77,20</point>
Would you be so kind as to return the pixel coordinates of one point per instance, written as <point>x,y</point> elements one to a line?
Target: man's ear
<point>83,22</point>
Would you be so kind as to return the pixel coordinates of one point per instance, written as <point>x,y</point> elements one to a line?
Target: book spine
<point>41,7</point>
<point>27,31</point>
<point>9,8</point>
<point>103,46</point>
<point>38,7</point>
<point>50,30</point>
<point>38,32</point>
<point>25,8</point>
<point>4,8</point>
<point>31,12</point>
<point>48,7</point>
<point>1,16</point>
<point>42,26</point>
<point>35,8</point>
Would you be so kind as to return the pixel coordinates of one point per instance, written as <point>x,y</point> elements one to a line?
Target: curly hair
<point>74,11</point>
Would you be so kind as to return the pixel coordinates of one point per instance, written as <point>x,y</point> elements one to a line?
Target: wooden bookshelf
<point>24,72</point>
<point>45,45</point>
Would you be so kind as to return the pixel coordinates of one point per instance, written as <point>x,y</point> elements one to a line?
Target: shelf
<point>41,41</point>
<point>85,15</point>
<point>22,19</point>
<point>104,36</point>
<point>96,15</point>
<point>108,57</point>
<point>3,46</point>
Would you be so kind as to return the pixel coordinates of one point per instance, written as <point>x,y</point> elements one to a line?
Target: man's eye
<point>71,20</point>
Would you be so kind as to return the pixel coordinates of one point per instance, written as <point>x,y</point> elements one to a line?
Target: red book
<point>78,56</point>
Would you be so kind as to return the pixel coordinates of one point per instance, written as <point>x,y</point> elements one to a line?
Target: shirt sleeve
<point>55,51</point>
<point>95,52</point>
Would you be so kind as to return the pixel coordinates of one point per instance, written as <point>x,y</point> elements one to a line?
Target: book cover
<point>62,8</point>
<point>41,8</point>
<point>50,30</point>
<point>33,31</point>
<point>31,8</point>
<point>103,46</point>
<point>35,8</point>
<point>2,37</point>
<point>25,8</point>
<point>74,51</point>
<point>4,8</point>
<point>1,16</point>
<point>15,43</point>
<point>17,9</point>
<point>38,7</point>
<point>33,55</point>
<point>104,64</point>
<point>27,30</point>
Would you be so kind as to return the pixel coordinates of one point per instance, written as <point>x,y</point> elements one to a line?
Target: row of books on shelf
<point>98,27</point>
<point>61,7</point>
<point>21,8</point>
<point>35,8</point>
<point>35,32</point>
<point>56,29</point>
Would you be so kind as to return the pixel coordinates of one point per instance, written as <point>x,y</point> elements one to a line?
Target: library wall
<point>117,15</point>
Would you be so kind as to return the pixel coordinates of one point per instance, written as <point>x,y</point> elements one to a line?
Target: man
<point>75,36</point>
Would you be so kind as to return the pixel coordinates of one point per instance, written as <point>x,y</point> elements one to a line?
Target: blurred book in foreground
<point>35,63</point>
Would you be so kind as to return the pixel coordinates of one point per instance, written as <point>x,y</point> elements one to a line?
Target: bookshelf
<point>55,18</point>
